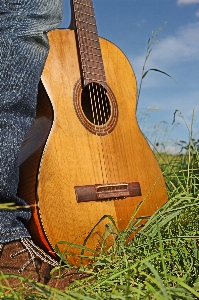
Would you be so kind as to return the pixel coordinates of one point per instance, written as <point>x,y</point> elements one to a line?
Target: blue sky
<point>129,24</point>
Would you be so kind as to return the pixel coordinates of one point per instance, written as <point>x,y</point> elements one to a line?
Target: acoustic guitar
<point>85,156</point>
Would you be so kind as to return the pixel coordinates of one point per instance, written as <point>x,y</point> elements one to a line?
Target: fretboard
<point>91,62</point>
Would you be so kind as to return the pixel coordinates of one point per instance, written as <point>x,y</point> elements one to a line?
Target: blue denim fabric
<point>23,51</point>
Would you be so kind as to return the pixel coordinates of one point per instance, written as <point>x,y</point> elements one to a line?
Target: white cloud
<point>197,13</point>
<point>182,46</point>
<point>187,2</point>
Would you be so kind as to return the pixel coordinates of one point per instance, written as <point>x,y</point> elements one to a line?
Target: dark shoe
<point>20,259</point>
<point>26,259</point>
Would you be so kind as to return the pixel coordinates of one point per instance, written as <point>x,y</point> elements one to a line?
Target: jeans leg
<point>23,51</point>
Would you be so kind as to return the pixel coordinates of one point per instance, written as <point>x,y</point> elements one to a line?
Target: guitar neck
<point>91,63</point>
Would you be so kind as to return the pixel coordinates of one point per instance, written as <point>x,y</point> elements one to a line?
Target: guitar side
<point>73,156</point>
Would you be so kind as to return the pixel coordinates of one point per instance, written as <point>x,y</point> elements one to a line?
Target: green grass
<point>161,262</point>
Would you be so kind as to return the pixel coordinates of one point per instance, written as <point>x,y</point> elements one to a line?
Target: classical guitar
<point>85,156</point>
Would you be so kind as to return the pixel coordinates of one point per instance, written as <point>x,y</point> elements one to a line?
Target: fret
<point>90,54</point>
<point>87,38</point>
<point>91,63</point>
<point>85,14</point>
<point>86,30</point>
<point>89,79</point>
<point>82,17</point>
<point>86,26</point>
<point>84,4</point>
<point>85,22</point>
<point>83,45</point>
<point>92,58</point>
<point>92,72</point>
<point>95,76</point>
<point>89,50</point>
<point>87,67</point>
<point>89,45</point>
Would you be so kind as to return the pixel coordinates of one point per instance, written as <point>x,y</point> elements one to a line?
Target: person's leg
<point>23,51</point>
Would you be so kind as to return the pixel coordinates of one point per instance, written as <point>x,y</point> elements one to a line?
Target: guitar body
<point>67,154</point>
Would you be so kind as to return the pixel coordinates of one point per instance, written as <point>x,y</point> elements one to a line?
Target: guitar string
<point>97,138</point>
<point>101,156</point>
<point>93,101</point>
<point>106,112</point>
<point>101,98</point>
<point>77,9</point>
<point>99,112</point>
<point>94,88</point>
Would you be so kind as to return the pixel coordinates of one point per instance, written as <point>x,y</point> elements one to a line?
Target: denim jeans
<point>23,51</point>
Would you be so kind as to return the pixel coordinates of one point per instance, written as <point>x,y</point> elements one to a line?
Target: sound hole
<point>95,104</point>
<point>96,107</point>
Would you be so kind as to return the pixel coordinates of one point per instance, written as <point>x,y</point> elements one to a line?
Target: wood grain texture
<point>72,156</point>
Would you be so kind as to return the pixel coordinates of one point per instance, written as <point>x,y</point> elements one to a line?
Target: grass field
<point>161,262</point>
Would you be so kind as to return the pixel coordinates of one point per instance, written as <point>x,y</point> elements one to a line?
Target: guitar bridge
<point>103,192</point>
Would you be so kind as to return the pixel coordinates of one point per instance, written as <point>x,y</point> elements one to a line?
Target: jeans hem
<point>14,236</point>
